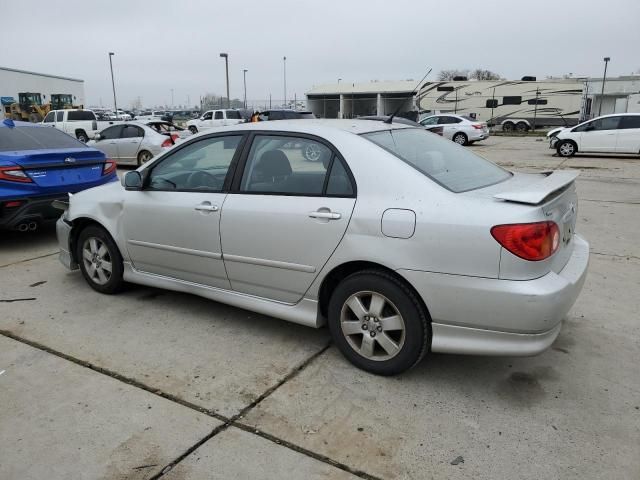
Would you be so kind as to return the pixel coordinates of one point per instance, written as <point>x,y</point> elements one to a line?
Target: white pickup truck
<point>214,118</point>
<point>82,124</point>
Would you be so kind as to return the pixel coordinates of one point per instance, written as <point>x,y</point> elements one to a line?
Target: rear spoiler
<point>537,191</point>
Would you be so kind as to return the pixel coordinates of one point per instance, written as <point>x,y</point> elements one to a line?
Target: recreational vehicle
<point>516,105</point>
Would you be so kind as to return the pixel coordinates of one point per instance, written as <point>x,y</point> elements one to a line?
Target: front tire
<point>460,138</point>
<point>193,129</point>
<point>378,323</point>
<point>100,260</point>
<point>566,148</point>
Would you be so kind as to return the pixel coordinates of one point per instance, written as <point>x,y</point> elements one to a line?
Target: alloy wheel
<point>459,139</point>
<point>312,152</point>
<point>566,149</point>
<point>97,260</point>
<point>372,325</point>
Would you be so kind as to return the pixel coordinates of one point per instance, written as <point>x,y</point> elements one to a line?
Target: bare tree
<point>482,74</point>
<point>445,75</point>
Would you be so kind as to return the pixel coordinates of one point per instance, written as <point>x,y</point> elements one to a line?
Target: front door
<point>285,216</point>
<point>172,226</point>
<point>599,135</point>
<point>108,141</point>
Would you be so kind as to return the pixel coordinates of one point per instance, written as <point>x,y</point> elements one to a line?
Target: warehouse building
<point>621,95</point>
<point>350,100</point>
<point>13,82</point>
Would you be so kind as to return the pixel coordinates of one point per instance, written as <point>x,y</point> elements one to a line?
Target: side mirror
<point>97,137</point>
<point>132,180</point>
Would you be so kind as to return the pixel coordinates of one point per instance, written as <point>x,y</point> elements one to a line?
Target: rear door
<point>449,125</point>
<point>599,135</point>
<point>285,216</point>
<point>218,119</point>
<point>129,143</point>
<point>629,134</point>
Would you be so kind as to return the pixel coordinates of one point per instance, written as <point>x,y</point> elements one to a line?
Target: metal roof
<point>40,74</point>
<point>401,86</point>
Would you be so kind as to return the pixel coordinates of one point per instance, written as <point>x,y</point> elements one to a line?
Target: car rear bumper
<point>31,209</point>
<point>472,315</point>
<point>480,135</point>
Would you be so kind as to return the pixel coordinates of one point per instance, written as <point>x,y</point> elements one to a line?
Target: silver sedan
<point>402,242</point>
<point>133,143</point>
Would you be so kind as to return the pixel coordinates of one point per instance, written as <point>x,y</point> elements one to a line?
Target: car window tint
<point>201,165</point>
<point>455,168</point>
<point>34,138</point>
<point>131,131</point>
<point>111,132</point>
<point>630,121</point>
<point>219,115</point>
<point>233,114</point>
<point>59,116</point>
<point>276,116</point>
<point>287,165</point>
<point>339,182</point>
<point>445,120</point>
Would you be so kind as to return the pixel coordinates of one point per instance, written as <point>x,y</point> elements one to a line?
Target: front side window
<point>199,166</point>
<point>456,169</point>
<point>49,118</point>
<point>207,116</point>
<point>607,123</point>
<point>288,165</point>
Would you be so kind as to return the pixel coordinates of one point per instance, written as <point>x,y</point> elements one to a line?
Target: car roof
<point>404,121</point>
<point>319,126</point>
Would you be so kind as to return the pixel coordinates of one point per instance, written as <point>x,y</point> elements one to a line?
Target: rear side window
<point>59,116</point>
<point>34,138</point>
<point>131,131</point>
<point>111,132</point>
<point>456,169</point>
<point>233,114</point>
<point>80,115</point>
<point>630,121</point>
<point>276,116</point>
<point>218,116</point>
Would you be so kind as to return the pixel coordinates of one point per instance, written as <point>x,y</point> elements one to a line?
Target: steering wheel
<point>200,178</point>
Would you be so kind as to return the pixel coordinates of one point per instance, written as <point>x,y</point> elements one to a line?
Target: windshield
<point>450,165</point>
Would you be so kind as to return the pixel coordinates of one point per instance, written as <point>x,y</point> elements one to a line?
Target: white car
<point>461,129</point>
<point>215,118</point>
<point>618,133</point>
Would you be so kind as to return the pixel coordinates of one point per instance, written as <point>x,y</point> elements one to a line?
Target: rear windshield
<point>454,167</point>
<point>233,114</point>
<point>35,138</point>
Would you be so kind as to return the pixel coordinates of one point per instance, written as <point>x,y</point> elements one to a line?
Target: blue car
<point>40,164</point>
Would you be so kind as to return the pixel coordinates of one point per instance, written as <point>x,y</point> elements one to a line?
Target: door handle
<point>206,207</point>
<point>326,215</point>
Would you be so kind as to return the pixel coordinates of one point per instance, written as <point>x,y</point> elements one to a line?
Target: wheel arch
<point>342,271</point>
<point>80,223</point>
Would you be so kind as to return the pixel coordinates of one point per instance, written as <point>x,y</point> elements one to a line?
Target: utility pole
<point>284,62</point>
<point>604,79</point>
<point>244,74</point>
<point>535,109</point>
<point>113,84</point>
<point>226,64</point>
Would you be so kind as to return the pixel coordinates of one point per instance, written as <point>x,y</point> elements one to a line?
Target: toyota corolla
<point>402,242</point>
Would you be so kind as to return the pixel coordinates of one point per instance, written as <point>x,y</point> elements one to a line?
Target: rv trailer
<point>516,105</point>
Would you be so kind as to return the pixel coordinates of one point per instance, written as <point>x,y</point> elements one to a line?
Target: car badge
<point>69,160</point>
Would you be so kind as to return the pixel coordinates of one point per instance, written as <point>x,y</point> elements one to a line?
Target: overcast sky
<point>160,44</point>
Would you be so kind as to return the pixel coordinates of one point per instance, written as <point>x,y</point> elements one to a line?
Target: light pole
<point>113,84</point>
<point>339,81</point>
<point>284,63</point>
<point>226,64</point>
<point>604,79</point>
<point>244,75</point>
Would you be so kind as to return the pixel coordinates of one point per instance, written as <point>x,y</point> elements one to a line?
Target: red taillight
<point>109,167</point>
<point>531,241</point>
<point>174,137</point>
<point>167,143</point>
<point>12,204</point>
<point>14,174</point>
<point>478,126</point>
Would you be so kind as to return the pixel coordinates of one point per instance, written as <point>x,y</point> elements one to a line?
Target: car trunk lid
<point>63,167</point>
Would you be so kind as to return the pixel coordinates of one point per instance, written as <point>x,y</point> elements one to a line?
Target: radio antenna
<point>390,119</point>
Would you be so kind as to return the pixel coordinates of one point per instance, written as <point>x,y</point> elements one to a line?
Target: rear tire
<point>100,260</point>
<point>389,334</point>
<point>82,136</point>
<point>508,127</point>
<point>566,148</point>
<point>193,129</point>
<point>144,156</point>
<point>522,127</point>
<point>460,138</point>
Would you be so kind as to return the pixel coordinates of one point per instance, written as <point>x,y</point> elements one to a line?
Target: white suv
<point>459,128</point>
<point>618,133</point>
<point>214,118</point>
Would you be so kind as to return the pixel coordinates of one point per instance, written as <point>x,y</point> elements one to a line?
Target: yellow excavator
<point>29,107</point>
